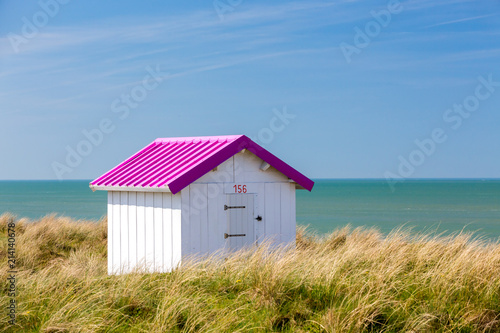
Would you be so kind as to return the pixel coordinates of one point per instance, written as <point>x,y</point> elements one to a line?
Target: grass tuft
<point>353,280</point>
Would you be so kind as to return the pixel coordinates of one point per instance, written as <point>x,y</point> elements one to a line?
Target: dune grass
<point>353,280</point>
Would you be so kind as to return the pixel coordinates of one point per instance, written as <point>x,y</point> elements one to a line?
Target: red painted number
<point>240,188</point>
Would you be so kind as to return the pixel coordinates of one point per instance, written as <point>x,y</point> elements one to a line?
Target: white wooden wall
<point>144,231</point>
<point>155,230</point>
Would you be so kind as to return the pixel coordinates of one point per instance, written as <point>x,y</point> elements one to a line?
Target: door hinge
<point>226,207</point>
<point>234,235</point>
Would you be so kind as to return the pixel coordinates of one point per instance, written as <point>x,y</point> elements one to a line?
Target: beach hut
<point>180,197</point>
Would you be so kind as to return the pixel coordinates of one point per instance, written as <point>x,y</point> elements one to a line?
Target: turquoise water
<point>424,205</point>
<point>38,198</point>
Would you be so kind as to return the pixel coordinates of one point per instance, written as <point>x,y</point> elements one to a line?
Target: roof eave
<point>278,164</point>
<point>129,188</point>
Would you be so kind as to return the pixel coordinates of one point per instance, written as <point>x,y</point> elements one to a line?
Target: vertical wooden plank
<point>242,221</point>
<point>167,232</point>
<point>239,169</point>
<point>269,229</point>
<point>141,230</point>
<point>250,227</point>
<point>132,229</point>
<point>203,234</point>
<point>286,223</point>
<point>277,213</point>
<point>229,171</point>
<point>231,221</point>
<point>255,224</point>
<point>158,227</point>
<point>220,242</point>
<point>293,213</point>
<point>110,232</point>
<point>177,228</point>
<point>185,221</point>
<point>213,222</point>
<point>125,264</point>
<point>234,221</point>
<point>116,233</point>
<point>222,225</point>
<point>198,201</point>
<point>260,210</point>
<point>150,232</point>
<point>227,220</point>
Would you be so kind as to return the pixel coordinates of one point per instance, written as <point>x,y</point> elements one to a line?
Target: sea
<point>437,206</point>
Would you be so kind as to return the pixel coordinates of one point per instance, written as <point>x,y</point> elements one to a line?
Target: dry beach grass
<point>350,281</point>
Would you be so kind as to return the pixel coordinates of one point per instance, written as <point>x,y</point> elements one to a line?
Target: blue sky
<point>363,89</point>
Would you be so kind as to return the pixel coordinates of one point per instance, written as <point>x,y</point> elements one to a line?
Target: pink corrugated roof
<point>177,162</point>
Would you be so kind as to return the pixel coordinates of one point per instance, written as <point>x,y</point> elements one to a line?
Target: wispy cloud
<point>253,31</point>
<point>122,47</point>
<point>161,29</point>
<point>461,20</point>
<point>172,76</point>
<point>427,4</point>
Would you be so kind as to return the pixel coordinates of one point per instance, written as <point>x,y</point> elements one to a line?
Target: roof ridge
<point>201,138</point>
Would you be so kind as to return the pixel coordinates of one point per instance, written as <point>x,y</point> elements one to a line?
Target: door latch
<point>259,218</point>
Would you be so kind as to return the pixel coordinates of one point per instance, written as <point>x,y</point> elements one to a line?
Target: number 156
<point>240,188</point>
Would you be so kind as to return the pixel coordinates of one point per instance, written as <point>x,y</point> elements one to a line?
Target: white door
<point>240,221</point>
